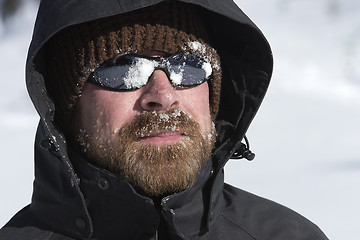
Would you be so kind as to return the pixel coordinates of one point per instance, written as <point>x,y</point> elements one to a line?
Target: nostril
<point>154,105</point>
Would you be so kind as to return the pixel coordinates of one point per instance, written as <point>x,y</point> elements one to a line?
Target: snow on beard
<point>154,170</point>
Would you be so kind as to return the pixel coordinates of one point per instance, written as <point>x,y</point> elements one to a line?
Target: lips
<point>163,137</point>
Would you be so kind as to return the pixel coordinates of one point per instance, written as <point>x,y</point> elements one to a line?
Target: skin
<point>104,112</point>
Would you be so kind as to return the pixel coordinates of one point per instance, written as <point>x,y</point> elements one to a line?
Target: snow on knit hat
<point>76,51</point>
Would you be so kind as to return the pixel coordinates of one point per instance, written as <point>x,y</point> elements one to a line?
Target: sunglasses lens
<point>127,72</point>
<point>111,77</point>
<point>188,70</point>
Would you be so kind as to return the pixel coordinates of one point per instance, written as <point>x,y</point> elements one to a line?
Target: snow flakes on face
<point>138,74</point>
<point>173,120</point>
<point>197,46</point>
<point>165,116</point>
<point>178,112</point>
<point>211,135</point>
<point>207,68</point>
<point>208,56</point>
<point>176,77</point>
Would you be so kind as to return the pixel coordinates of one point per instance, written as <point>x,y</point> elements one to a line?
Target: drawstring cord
<point>244,151</point>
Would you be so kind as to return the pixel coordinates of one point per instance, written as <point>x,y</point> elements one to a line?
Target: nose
<point>158,94</point>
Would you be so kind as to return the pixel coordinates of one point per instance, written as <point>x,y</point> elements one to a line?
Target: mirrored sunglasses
<point>132,71</point>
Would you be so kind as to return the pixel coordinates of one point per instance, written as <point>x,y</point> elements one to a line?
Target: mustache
<point>147,123</point>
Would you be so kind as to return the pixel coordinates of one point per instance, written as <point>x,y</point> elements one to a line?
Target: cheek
<point>197,96</point>
<point>196,102</point>
<point>104,112</point>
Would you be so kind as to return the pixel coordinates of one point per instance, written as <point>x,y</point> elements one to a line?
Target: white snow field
<point>305,136</point>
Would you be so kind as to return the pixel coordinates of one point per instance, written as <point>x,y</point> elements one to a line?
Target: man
<point>141,105</point>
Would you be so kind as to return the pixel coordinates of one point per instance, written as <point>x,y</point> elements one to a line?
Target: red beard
<point>154,169</point>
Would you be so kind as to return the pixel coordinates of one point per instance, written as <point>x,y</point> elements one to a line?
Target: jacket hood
<point>246,62</point>
<point>246,58</point>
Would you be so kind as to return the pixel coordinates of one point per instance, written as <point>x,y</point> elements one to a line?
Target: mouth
<point>163,138</point>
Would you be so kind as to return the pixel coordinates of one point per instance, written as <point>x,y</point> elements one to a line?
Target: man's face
<point>157,137</point>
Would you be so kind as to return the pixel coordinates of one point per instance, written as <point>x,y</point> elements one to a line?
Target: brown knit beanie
<point>75,52</point>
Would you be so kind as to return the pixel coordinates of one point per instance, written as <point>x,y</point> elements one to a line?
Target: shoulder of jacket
<point>30,233</point>
<point>264,219</point>
<point>24,233</point>
<point>25,226</point>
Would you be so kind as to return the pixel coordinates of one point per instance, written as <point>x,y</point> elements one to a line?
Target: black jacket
<point>75,200</point>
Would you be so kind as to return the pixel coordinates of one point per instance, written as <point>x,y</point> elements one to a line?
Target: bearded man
<point>141,105</point>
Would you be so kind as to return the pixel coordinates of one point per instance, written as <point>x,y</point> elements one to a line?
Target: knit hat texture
<point>76,51</point>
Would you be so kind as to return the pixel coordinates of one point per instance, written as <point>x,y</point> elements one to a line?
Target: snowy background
<point>305,136</point>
